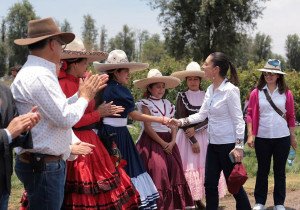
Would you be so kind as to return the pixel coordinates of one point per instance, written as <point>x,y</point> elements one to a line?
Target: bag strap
<point>273,105</point>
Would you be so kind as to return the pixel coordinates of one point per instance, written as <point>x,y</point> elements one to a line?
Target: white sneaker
<point>279,207</point>
<point>259,206</point>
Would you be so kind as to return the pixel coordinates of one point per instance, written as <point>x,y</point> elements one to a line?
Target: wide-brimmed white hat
<point>155,76</point>
<point>273,66</point>
<point>193,69</point>
<point>117,59</point>
<point>76,49</point>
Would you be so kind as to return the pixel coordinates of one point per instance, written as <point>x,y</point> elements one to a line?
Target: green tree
<point>243,51</point>
<point>66,26</point>
<point>262,47</point>
<point>196,28</point>
<point>89,33</point>
<point>17,19</point>
<point>125,41</point>
<point>292,46</point>
<point>103,38</point>
<point>153,49</point>
<point>142,37</point>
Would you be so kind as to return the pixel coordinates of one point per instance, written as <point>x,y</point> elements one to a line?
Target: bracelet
<point>239,144</point>
<point>184,122</point>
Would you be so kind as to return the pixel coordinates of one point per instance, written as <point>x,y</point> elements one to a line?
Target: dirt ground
<point>292,201</point>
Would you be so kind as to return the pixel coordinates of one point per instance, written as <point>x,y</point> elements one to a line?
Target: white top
<point>271,124</point>
<point>37,85</point>
<point>161,107</point>
<point>225,117</point>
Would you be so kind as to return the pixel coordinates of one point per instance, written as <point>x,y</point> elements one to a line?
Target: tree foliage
<point>66,26</point>
<point>142,37</point>
<point>292,46</point>
<point>124,40</point>
<point>89,33</point>
<point>103,39</point>
<point>261,47</point>
<point>17,19</point>
<point>153,49</point>
<point>198,27</point>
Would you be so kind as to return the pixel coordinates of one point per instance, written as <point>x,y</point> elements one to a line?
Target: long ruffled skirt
<point>135,167</point>
<point>166,171</point>
<point>94,182</point>
<point>194,164</point>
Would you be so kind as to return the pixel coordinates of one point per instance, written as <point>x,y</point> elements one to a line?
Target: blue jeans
<point>217,159</point>
<point>4,200</point>
<point>45,189</point>
<point>265,149</point>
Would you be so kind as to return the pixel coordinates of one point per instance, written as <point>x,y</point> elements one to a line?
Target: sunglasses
<point>268,74</point>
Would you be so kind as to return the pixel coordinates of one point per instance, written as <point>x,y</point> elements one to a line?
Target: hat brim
<point>169,81</point>
<point>133,67</point>
<point>64,36</point>
<point>90,56</point>
<point>272,71</point>
<point>183,74</point>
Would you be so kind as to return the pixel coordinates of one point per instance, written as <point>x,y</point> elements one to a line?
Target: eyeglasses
<point>268,74</point>
<point>62,43</point>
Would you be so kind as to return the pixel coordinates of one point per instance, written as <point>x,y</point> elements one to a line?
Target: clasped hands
<point>171,122</point>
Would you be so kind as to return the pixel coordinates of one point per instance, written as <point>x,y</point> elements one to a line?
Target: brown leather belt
<point>28,157</point>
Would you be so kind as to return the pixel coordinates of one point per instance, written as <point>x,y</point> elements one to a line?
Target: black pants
<point>265,149</point>
<point>217,159</point>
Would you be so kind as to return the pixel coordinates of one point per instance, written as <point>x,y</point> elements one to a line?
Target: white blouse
<point>271,124</point>
<point>225,117</point>
<point>161,107</point>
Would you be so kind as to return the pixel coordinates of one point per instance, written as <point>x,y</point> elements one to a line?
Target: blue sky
<point>279,19</point>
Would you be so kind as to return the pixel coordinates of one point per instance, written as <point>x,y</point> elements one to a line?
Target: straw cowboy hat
<point>273,66</point>
<point>41,29</point>
<point>193,69</point>
<point>155,76</point>
<point>117,59</point>
<point>76,49</point>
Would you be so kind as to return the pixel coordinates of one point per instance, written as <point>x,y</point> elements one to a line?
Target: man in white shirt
<point>42,169</point>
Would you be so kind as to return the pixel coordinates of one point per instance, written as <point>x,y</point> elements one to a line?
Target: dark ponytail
<point>234,79</point>
<point>220,59</point>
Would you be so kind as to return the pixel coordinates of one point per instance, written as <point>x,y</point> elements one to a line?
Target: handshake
<point>172,122</point>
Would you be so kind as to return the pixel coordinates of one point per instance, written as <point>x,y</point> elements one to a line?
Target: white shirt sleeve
<point>8,136</point>
<point>74,140</point>
<point>47,95</point>
<point>235,111</point>
<point>73,98</point>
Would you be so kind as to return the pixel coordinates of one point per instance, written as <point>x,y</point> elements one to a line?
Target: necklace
<point>162,113</point>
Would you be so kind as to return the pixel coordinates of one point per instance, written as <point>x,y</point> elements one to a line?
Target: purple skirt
<point>166,172</point>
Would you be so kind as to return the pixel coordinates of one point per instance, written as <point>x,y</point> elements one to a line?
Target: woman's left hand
<point>190,132</point>
<point>238,154</point>
<point>168,149</point>
<point>294,142</point>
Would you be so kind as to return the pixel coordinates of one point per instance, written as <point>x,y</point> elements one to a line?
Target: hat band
<point>42,34</point>
<point>272,69</point>
<point>123,60</point>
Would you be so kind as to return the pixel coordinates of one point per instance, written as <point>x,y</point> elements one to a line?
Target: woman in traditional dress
<point>157,144</point>
<point>93,181</point>
<point>119,68</point>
